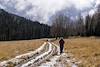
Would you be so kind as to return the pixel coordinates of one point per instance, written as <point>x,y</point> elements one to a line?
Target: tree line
<point>63,26</point>
<point>13,27</point>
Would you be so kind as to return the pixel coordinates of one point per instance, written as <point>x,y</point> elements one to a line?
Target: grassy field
<point>9,49</point>
<point>86,50</point>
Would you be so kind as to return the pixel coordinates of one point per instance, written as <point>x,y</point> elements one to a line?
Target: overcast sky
<point>42,9</point>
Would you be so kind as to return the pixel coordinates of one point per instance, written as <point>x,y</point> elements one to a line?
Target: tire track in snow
<point>45,56</point>
<point>21,59</point>
<point>39,59</point>
<point>58,60</point>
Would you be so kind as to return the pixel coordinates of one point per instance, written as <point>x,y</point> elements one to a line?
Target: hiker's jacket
<point>61,42</point>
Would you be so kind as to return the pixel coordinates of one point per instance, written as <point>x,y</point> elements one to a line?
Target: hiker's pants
<point>61,48</point>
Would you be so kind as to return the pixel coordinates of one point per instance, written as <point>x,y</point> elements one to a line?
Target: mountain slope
<point>14,27</point>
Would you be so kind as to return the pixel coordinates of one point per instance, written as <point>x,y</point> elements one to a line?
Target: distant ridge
<point>13,27</point>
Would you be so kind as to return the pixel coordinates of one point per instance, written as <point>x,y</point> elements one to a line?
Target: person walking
<point>61,42</point>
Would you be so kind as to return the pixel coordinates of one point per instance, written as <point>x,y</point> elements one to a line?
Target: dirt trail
<point>57,60</point>
<point>45,56</point>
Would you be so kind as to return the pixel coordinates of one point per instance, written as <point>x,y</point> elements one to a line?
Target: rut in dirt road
<point>45,56</point>
<point>32,58</point>
<point>39,59</point>
<point>60,60</point>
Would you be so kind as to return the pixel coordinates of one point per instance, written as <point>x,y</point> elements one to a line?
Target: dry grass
<point>9,49</point>
<point>86,50</point>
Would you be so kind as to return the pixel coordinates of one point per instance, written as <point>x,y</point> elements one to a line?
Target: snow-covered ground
<point>45,56</point>
<point>59,61</point>
<point>40,57</point>
<point>22,58</point>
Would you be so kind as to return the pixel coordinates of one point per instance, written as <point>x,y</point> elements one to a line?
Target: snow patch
<point>38,57</point>
<point>18,59</point>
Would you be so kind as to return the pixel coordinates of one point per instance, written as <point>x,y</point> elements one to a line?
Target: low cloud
<point>42,9</point>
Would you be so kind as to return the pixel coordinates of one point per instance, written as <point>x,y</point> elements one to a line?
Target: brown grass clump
<point>10,49</point>
<point>86,50</point>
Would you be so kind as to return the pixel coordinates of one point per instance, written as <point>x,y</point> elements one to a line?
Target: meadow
<point>10,49</point>
<point>86,50</point>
